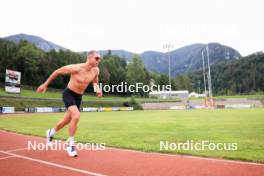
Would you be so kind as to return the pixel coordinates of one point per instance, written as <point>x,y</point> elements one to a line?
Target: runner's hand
<point>99,93</point>
<point>42,88</point>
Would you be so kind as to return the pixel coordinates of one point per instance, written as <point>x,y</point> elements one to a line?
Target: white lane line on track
<point>19,149</point>
<point>52,164</point>
<point>6,157</point>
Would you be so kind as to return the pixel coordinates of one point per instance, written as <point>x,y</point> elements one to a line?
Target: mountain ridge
<point>39,42</point>
<point>183,59</point>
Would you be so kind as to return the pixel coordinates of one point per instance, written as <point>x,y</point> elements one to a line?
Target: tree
<point>183,82</point>
<point>112,70</point>
<point>27,62</point>
<point>136,73</point>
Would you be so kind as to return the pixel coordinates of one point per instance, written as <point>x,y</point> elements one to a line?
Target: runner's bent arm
<point>68,69</point>
<point>61,71</point>
<point>96,84</point>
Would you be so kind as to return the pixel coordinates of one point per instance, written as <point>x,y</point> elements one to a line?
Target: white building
<point>196,95</point>
<point>182,94</point>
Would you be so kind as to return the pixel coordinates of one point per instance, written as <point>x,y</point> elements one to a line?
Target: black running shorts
<point>71,98</point>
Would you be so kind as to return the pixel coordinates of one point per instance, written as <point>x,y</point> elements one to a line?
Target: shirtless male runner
<point>81,75</point>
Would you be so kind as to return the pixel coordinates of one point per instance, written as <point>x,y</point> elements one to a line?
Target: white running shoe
<point>49,137</point>
<point>71,151</point>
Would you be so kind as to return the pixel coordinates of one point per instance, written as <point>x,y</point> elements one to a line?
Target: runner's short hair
<point>90,53</point>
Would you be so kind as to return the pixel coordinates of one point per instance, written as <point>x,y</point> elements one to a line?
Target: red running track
<point>17,160</point>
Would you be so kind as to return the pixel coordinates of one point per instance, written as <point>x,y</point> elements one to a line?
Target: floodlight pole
<point>168,47</point>
<point>209,71</point>
<point>205,90</point>
<point>209,79</point>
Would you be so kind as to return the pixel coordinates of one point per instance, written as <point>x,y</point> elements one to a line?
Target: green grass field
<point>143,130</point>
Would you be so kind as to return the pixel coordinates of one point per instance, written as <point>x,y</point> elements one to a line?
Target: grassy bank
<point>21,103</point>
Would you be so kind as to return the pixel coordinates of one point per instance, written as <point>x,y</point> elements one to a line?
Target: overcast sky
<point>137,25</point>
